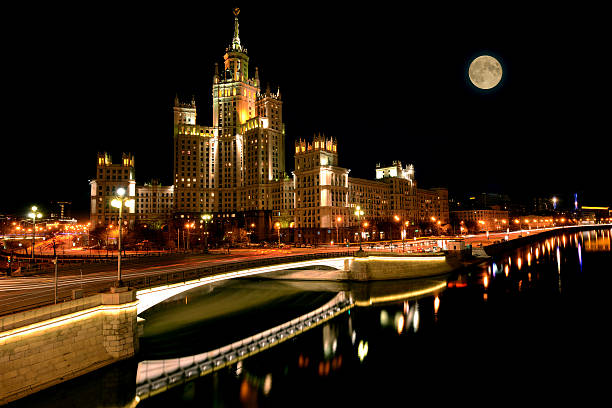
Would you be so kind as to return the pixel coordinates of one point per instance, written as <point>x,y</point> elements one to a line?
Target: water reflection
<point>505,316</point>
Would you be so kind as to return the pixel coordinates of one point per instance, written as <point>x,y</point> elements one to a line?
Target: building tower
<point>235,165</point>
<point>321,188</point>
<point>109,177</point>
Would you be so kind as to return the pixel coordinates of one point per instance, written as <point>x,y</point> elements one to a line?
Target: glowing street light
<point>188,227</point>
<point>338,221</point>
<point>358,213</point>
<point>34,215</point>
<point>278,226</point>
<point>397,219</point>
<point>206,218</point>
<point>119,202</point>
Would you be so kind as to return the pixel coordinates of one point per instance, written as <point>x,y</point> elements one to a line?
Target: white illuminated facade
<point>109,178</point>
<point>321,187</point>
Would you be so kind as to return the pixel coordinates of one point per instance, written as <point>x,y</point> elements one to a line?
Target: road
<point>20,293</point>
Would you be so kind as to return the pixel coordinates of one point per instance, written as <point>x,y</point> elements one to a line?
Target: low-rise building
<point>483,219</point>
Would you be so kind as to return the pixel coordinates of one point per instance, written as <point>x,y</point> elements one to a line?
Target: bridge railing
<point>150,281</point>
<point>153,374</point>
<point>163,279</point>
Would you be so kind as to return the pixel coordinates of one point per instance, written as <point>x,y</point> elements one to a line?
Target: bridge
<point>155,294</point>
<point>25,293</point>
<point>156,376</point>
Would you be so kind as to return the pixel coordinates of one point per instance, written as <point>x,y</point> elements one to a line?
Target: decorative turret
<point>236,46</point>
<point>236,59</point>
<point>216,76</point>
<point>104,159</point>
<point>184,112</point>
<point>127,160</point>
<point>319,142</point>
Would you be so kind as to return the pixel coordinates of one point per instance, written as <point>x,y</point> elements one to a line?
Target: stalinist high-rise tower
<point>236,167</point>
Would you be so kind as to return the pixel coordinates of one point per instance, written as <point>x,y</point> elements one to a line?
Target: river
<point>525,327</point>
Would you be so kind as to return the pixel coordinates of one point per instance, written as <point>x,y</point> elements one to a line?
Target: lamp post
<point>118,202</point>
<point>188,227</point>
<point>34,215</point>
<point>338,221</point>
<point>206,218</point>
<point>358,214</point>
<point>277,226</point>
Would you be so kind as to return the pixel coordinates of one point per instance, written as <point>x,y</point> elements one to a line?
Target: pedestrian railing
<point>150,281</point>
<point>44,298</point>
<point>155,376</point>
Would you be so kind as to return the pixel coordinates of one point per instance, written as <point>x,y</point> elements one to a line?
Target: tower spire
<point>236,46</point>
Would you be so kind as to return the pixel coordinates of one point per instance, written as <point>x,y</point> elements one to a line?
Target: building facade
<point>234,169</point>
<point>110,177</point>
<point>154,204</point>
<point>482,220</point>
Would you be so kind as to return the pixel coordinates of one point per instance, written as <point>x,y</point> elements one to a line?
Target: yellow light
<point>66,319</point>
<point>362,350</point>
<point>116,203</point>
<point>436,304</point>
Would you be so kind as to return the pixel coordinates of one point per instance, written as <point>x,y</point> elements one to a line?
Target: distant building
<point>593,215</point>
<point>483,219</point>
<point>109,177</point>
<point>61,210</point>
<point>154,203</point>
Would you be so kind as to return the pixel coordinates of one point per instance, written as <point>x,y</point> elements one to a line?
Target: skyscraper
<point>234,167</point>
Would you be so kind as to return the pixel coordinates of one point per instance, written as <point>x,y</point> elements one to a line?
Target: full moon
<point>485,72</point>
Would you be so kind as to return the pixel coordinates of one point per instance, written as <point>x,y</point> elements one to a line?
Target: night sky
<point>390,83</point>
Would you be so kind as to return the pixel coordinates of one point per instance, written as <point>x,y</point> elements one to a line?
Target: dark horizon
<point>389,84</point>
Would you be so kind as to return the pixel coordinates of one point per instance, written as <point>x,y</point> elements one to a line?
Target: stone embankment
<point>377,266</point>
<point>48,345</point>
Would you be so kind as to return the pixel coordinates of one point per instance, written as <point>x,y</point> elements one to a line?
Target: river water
<point>526,327</point>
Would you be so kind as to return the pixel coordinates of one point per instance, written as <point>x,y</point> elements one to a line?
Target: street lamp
<point>338,221</point>
<point>118,202</point>
<point>189,227</point>
<point>397,219</point>
<point>206,218</point>
<point>358,214</point>
<point>277,226</point>
<point>34,215</point>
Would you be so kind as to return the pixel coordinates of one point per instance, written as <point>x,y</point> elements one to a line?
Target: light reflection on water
<point>537,310</point>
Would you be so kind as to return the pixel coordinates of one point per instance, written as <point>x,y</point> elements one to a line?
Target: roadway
<point>21,293</point>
